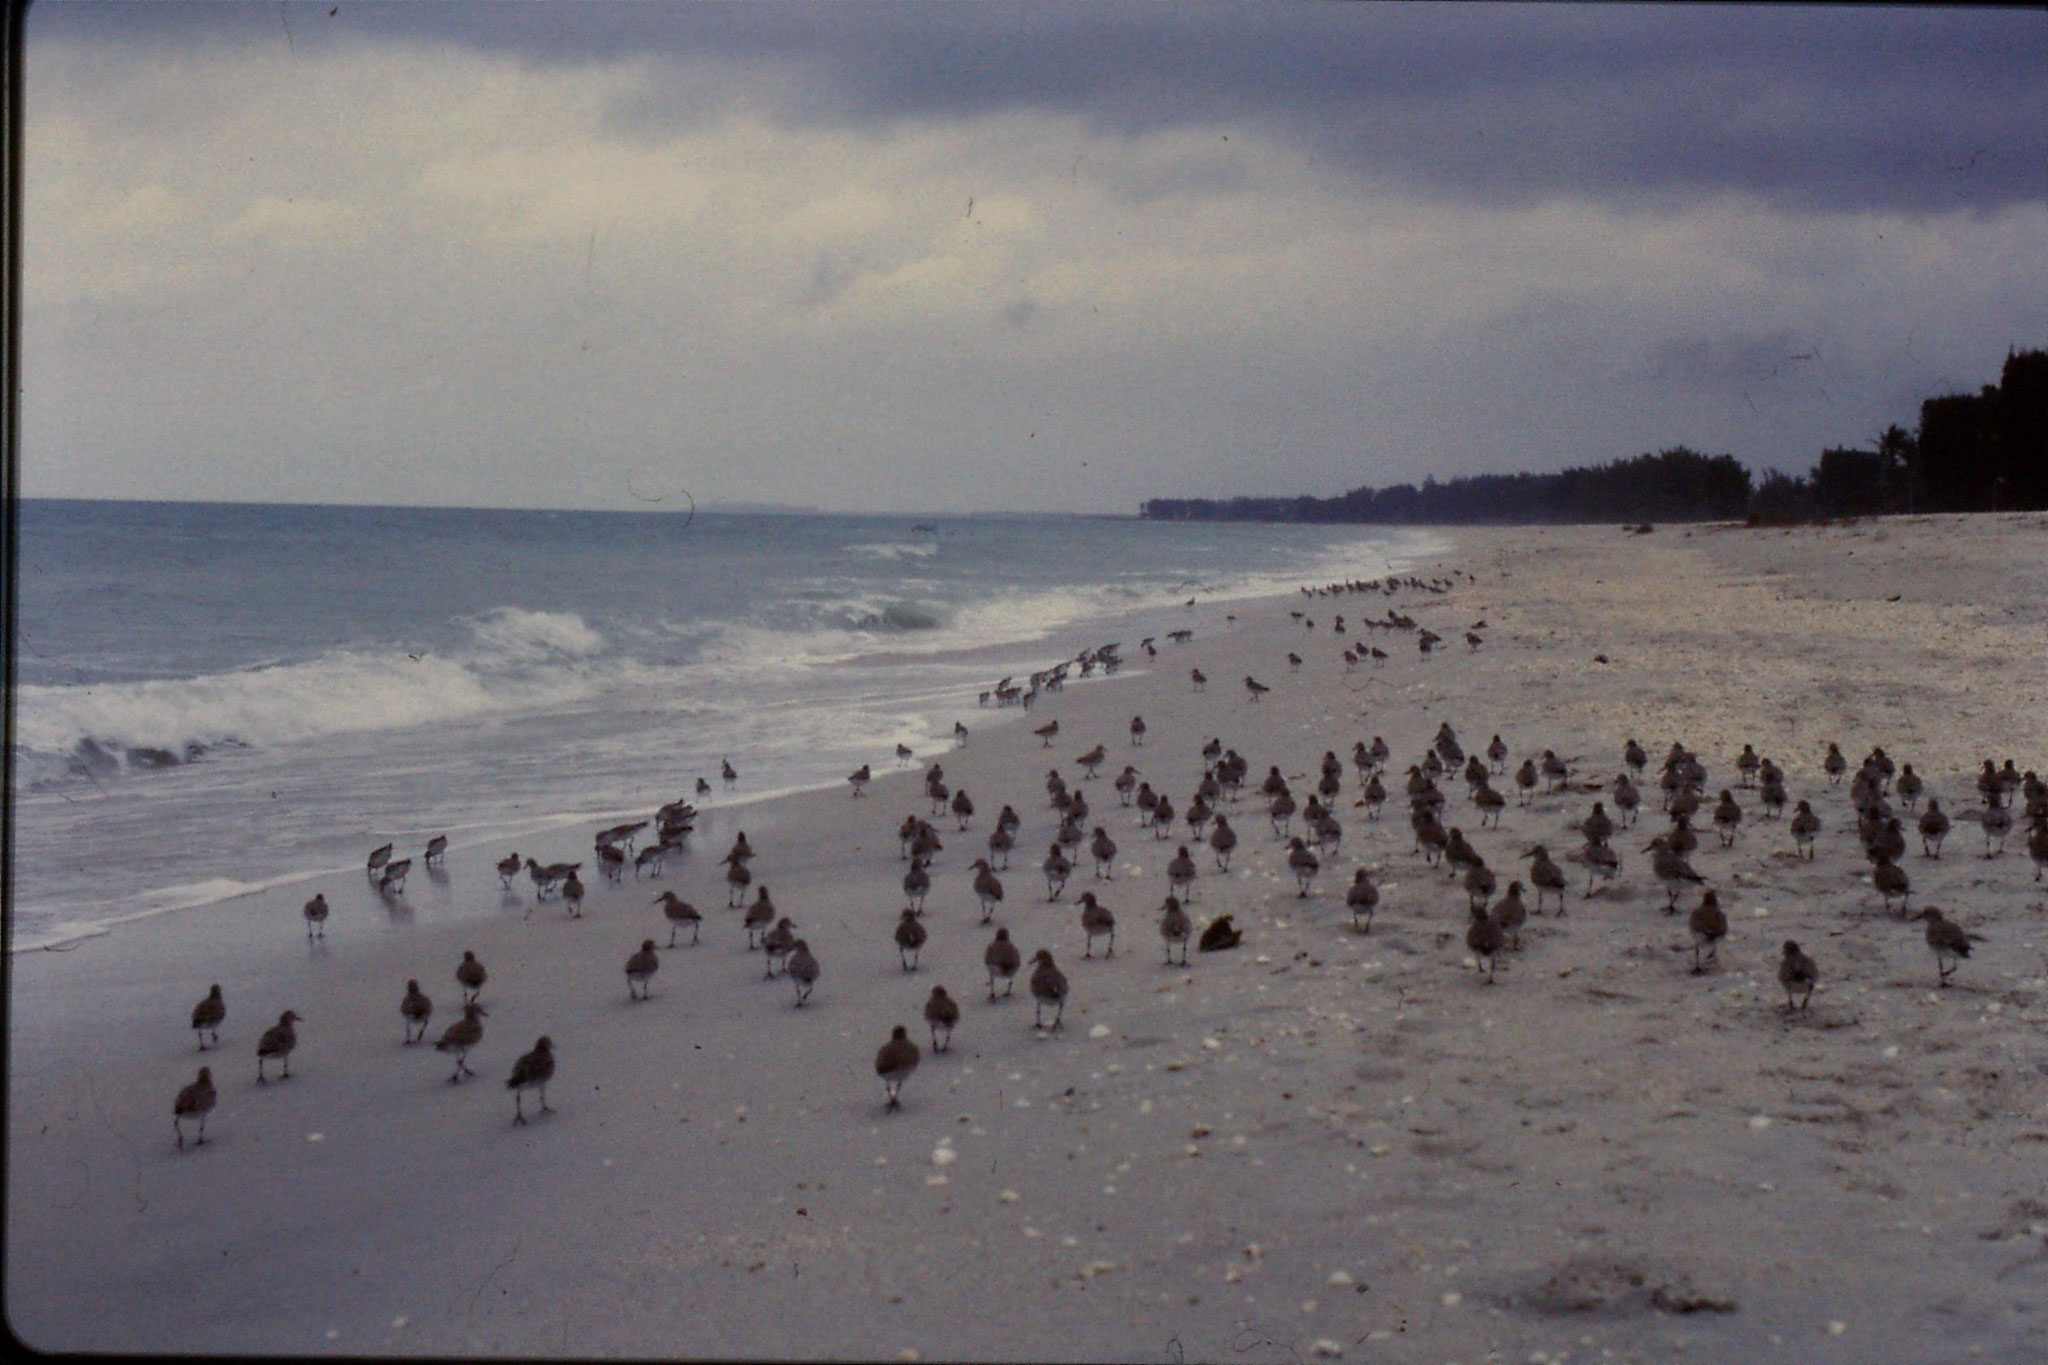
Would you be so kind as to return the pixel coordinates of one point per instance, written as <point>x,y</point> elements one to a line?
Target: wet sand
<point>1320,1144</point>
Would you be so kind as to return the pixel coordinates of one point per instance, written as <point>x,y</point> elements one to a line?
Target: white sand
<point>1320,1142</point>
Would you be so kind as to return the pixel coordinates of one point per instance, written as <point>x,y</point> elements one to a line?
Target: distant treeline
<point>1972,453</point>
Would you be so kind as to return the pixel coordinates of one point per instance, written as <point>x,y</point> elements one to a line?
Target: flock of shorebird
<point>1496,916</point>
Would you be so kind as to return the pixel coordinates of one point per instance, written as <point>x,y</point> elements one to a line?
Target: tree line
<point>1979,452</point>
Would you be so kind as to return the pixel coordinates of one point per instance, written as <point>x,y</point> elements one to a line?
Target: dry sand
<point>1319,1144</point>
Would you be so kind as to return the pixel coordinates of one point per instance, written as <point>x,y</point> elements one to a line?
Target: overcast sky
<point>909,257</point>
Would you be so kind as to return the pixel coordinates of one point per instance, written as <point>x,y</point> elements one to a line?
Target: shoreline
<point>993,657</point>
<point>1322,1137</point>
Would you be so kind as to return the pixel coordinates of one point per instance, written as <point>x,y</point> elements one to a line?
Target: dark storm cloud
<point>1825,109</point>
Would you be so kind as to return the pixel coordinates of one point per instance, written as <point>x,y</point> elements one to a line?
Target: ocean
<point>212,699</point>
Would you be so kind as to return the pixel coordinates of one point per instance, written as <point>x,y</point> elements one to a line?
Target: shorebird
<point>941,1013</point>
<point>640,970</point>
<point>910,937</point>
<point>1727,818</point>
<point>1103,849</point>
<point>1627,799</point>
<point>1709,925</point>
<point>1601,862</point>
<point>917,883</point>
<point>777,944</point>
<point>572,895</point>
<point>1219,935</point>
<point>1909,786</point>
<point>737,879</point>
<point>1671,869</point>
<point>703,787</point>
<point>1255,687</point>
<point>379,856</point>
<point>1997,825</point>
<point>1293,662</point>
<point>649,860</point>
<point>1002,959</point>
<point>1222,839</point>
<point>316,916</point>
<point>1747,763</point>
<point>207,1016</point>
<point>391,882</point>
<point>1634,755</point>
<point>1599,826</point>
<point>963,808</point>
<point>1373,797</point>
<point>194,1100</point>
<point>1525,781</point>
<point>1046,732</point>
<point>1947,939</point>
<point>1834,765</point>
<point>1490,803</point>
<point>1773,797</point>
<point>1097,920</point>
<point>1485,939</point>
<point>760,915</point>
<point>725,770</point>
<point>1056,869</point>
<point>436,847</point>
<point>611,861</point>
<point>987,888</point>
<point>679,912</point>
<point>1933,828</point>
<point>1458,854</point>
<point>860,777</point>
<point>1510,913</point>
<point>1890,880</point>
<point>1303,864</point>
<point>1479,882</point>
<point>1048,987</point>
<point>1000,841</point>
<point>802,970</point>
<point>1137,729</point>
<point>2037,847</point>
<point>277,1041</point>
<point>415,1009</point>
<point>1798,975</point>
<point>1162,818</point>
<point>544,879</point>
<point>460,1036</point>
<point>1545,875</point>
<point>1180,873</point>
<point>1281,812</point>
<point>532,1072</point>
<point>471,975</point>
<point>960,734</point>
<point>894,1062</point>
<point>1175,927</point>
<point>1198,678</point>
<point>1805,824</point>
<point>1362,897</point>
<point>1680,838</point>
<point>508,868</point>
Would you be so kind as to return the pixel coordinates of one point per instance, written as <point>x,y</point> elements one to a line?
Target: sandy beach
<point>1321,1144</point>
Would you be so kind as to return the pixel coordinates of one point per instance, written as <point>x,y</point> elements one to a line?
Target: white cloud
<point>381,273</point>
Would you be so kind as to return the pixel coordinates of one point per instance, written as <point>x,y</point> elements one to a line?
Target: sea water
<point>215,698</point>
